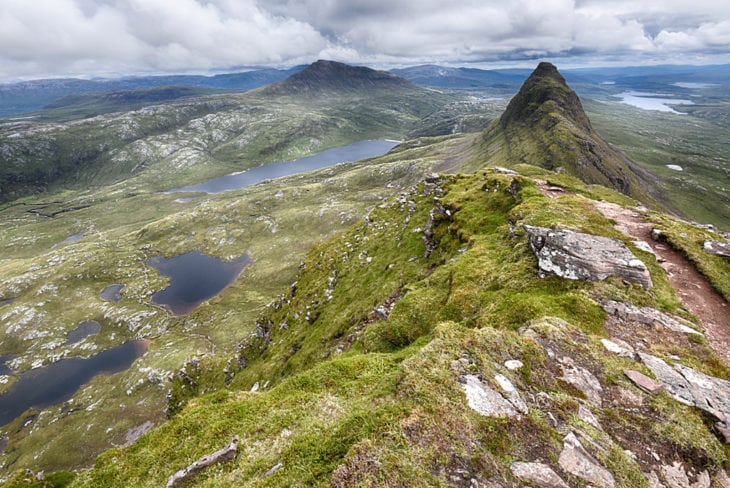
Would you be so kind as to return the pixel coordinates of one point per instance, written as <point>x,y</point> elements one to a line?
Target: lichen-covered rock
<point>692,387</point>
<point>485,400</point>
<point>579,256</point>
<point>538,473</point>
<point>647,316</point>
<point>718,248</point>
<point>582,379</point>
<point>575,460</point>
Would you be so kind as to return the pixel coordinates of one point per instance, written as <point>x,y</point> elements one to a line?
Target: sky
<point>52,38</point>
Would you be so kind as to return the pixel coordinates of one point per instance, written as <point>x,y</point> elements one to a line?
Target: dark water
<point>84,329</point>
<point>353,152</point>
<point>6,301</point>
<point>57,382</point>
<point>4,368</point>
<point>194,278</point>
<point>111,293</point>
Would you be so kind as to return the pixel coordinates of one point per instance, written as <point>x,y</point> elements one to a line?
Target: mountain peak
<point>545,94</point>
<point>325,75</point>
<point>545,125</point>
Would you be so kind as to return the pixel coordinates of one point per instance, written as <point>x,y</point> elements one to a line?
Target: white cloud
<point>55,37</point>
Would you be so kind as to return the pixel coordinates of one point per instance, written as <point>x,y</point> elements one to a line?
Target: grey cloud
<point>53,37</point>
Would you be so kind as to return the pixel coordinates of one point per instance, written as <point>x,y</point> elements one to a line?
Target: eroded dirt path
<point>693,289</point>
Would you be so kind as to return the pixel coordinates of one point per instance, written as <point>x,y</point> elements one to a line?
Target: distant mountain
<point>331,104</point>
<point>444,77</point>
<point>101,102</point>
<point>323,76</point>
<point>545,125</point>
<point>29,96</point>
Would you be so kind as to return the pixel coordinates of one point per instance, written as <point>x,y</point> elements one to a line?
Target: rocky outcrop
<point>582,379</point>
<point>718,248</point>
<point>488,402</point>
<point>579,256</point>
<point>647,316</point>
<point>226,454</point>
<point>538,473</point>
<point>575,460</point>
<point>692,387</point>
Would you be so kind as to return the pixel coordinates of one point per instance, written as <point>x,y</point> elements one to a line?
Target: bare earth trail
<point>693,289</point>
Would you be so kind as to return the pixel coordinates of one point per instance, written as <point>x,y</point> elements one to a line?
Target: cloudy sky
<point>48,38</point>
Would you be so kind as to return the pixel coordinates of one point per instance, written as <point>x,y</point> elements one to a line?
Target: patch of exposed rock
<point>718,248</point>
<point>490,403</point>
<point>582,379</point>
<point>576,460</point>
<point>579,256</point>
<point>538,473</point>
<point>692,387</point>
<point>648,316</point>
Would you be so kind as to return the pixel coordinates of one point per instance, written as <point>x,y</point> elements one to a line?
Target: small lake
<point>84,329</point>
<point>353,152</point>
<point>72,238</point>
<point>194,278</point>
<point>57,382</point>
<point>111,293</point>
<point>4,368</point>
<point>652,101</point>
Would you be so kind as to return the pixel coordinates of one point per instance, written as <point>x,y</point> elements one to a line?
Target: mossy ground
<point>56,287</point>
<point>349,398</point>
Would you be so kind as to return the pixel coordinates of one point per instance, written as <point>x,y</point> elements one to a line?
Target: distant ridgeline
<point>328,104</point>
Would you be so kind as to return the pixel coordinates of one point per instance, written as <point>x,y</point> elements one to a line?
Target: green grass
<point>348,399</point>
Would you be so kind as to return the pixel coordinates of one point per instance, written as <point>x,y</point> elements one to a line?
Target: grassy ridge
<point>347,397</point>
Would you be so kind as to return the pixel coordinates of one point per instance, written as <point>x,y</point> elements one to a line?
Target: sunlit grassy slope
<point>347,397</point>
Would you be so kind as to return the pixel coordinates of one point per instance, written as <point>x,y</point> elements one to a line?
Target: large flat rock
<point>579,256</point>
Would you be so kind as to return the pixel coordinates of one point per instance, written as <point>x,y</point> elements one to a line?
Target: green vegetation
<point>346,396</point>
<point>339,356</point>
<point>544,125</point>
<point>697,144</point>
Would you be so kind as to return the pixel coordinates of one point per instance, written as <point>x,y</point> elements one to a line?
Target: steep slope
<point>421,347</point>
<point>545,125</point>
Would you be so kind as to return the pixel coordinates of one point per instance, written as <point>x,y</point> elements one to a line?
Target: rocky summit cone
<point>545,125</point>
<point>328,76</point>
<point>546,93</point>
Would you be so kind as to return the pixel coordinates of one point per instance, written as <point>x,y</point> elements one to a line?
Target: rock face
<point>718,248</point>
<point>539,474</point>
<point>691,387</point>
<point>579,256</point>
<point>575,460</point>
<point>647,316</point>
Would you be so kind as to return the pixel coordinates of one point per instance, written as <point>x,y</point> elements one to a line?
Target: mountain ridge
<point>545,125</point>
<point>324,76</point>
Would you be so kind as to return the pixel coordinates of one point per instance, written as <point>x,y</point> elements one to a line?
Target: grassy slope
<point>58,286</point>
<point>348,399</point>
<point>655,139</point>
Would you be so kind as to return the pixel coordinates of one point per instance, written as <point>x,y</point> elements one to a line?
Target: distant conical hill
<point>545,125</point>
<point>331,76</point>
